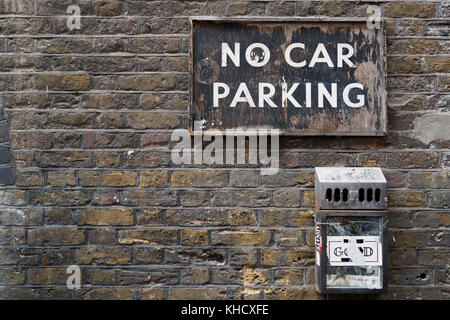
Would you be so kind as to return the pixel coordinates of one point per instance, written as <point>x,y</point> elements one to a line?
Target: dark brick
<point>6,176</point>
<point>4,133</point>
<point>5,154</point>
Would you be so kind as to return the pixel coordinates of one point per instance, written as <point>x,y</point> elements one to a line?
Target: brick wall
<point>90,113</point>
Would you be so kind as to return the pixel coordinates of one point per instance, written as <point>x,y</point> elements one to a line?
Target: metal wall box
<point>351,232</point>
<point>236,63</point>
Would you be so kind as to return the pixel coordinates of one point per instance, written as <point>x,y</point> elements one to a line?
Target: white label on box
<point>354,281</point>
<point>354,250</point>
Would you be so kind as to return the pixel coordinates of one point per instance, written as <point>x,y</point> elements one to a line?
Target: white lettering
<point>287,55</point>
<point>234,56</point>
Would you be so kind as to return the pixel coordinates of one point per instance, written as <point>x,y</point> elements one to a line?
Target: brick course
<point>89,114</point>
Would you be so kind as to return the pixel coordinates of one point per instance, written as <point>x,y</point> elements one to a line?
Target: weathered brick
<point>291,294</point>
<point>402,257</point>
<point>408,238</point>
<point>244,178</point>
<point>308,198</point>
<point>149,276</point>
<point>20,217</point>
<point>200,179</point>
<point>13,197</point>
<point>102,236</point>
<point>59,197</point>
<point>237,8</point>
<point>196,217</point>
<point>289,277</point>
<point>204,293</point>
<point>407,64</point>
<point>150,217</point>
<point>19,256</point>
<point>58,216</point>
<point>107,178</point>
<point>288,238</point>
<point>242,257</point>
<point>412,46</point>
<point>373,159</point>
<point>194,237</point>
<point>409,9</point>
<point>439,199</point>
<point>30,178</point>
<point>105,294</point>
<point>108,8</point>
<point>148,236</point>
<point>434,257</point>
<point>286,198</point>
<point>409,28</point>
<point>147,255</point>
<point>12,276</point>
<point>253,198</point>
<point>42,276</point>
<point>287,218</point>
<point>406,198</point>
<point>400,218</point>
<point>58,236</point>
<point>96,140</point>
<point>106,159</point>
<point>406,102</point>
<point>433,219</point>
<point>242,217</point>
<point>194,276</point>
<point>100,276</point>
<point>153,179</point>
<point>241,237</point>
<point>436,64</point>
<point>149,197</point>
<point>410,276</point>
<point>12,237</point>
<point>105,217</point>
<point>146,159</point>
<point>410,83</point>
<point>66,82</point>
<point>103,255</point>
<point>61,178</point>
<point>247,276</point>
<point>153,120</point>
<point>109,121</point>
<point>439,101</point>
<point>287,257</point>
<point>443,83</point>
<point>429,180</point>
<point>19,293</point>
<point>65,120</point>
<point>54,159</point>
<point>150,294</point>
<point>56,257</point>
<point>437,28</point>
<point>67,140</point>
<point>64,45</point>
<point>154,140</point>
<point>411,160</point>
<point>212,256</point>
<point>149,82</point>
<point>289,179</point>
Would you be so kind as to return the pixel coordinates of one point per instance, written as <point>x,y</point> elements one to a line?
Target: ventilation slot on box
<point>336,195</point>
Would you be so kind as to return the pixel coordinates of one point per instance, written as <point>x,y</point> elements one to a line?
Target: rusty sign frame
<point>381,131</point>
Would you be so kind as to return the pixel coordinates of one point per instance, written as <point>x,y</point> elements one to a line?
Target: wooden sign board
<point>301,76</point>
